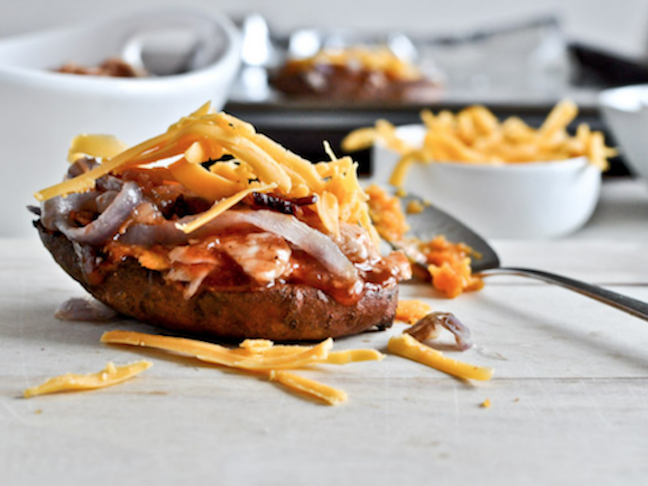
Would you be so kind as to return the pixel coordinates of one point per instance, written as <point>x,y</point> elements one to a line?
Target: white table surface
<point>569,397</point>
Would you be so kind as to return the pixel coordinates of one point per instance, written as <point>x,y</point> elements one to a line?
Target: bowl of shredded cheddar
<point>505,179</point>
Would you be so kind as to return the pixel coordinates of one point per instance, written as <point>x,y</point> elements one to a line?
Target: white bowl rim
<point>573,163</point>
<point>609,98</point>
<point>52,79</point>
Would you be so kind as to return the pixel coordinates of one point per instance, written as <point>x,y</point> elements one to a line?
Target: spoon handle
<point>622,302</point>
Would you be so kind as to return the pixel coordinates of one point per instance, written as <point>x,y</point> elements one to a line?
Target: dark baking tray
<point>303,126</point>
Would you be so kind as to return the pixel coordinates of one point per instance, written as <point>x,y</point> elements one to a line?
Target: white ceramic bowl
<point>626,112</point>
<point>41,111</point>
<point>531,200</point>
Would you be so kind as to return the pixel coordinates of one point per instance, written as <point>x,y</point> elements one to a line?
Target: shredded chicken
<point>263,256</point>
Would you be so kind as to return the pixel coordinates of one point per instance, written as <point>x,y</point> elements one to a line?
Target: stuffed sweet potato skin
<point>285,312</point>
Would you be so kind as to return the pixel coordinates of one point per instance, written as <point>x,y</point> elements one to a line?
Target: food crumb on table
<point>486,403</point>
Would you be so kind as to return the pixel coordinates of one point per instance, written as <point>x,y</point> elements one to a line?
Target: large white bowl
<point>626,112</point>
<point>41,111</point>
<point>531,200</point>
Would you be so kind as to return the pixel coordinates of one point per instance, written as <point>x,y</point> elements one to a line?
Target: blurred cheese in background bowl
<point>625,110</point>
<point>504,179</point>
<point>190,56</point>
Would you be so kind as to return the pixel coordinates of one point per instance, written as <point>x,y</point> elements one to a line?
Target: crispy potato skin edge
<point>282,313</point>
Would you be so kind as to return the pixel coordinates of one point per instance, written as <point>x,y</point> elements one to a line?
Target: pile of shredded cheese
<point>258,356</point>
<point>476,136</point>
<point>259,165</point>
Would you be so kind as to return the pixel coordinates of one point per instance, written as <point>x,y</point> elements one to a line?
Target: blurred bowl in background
<point>42,110</point>
<point>528,200</point>
<point>625,110</point>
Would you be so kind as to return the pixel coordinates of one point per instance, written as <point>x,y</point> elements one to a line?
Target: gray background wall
<point>619,25</point>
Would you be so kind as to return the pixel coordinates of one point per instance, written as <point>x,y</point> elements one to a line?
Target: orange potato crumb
<point>411,311</point>
<point>414,207</point>
<point>387,214</point>
<point>449,265</point>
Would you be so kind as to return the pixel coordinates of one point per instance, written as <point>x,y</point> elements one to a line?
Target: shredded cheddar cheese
<point>353,356</point>
<point>330,395</point>
<point>102,146</point>
<point>475,136</point>
<point>256,345</point>
<point>221,206</point>
<point>205,183</point>
<point>258,356</point>
<point>406,346</point>
<point>111,375</point>
<point>215,354</point>
<point>259,164</point>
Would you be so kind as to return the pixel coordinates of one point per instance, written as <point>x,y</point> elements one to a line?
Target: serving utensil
<point>432,222</point>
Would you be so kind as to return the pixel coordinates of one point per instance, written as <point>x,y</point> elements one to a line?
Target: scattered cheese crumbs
<point>486,403</point>
<point>408,347</point>
<point>213,353</point>
<point>330,395</point>
<point>38,411</point>
<point>111,375</point>
<point>412,311</point>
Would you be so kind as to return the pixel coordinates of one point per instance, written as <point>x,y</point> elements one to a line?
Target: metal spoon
<point>432,222</point>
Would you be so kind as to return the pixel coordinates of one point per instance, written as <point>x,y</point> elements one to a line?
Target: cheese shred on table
<point>109,376</point>
<point>406,346</point>
<point>330,395</point>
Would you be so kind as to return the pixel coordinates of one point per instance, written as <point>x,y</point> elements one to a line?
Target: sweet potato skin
<point>285,312</point>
